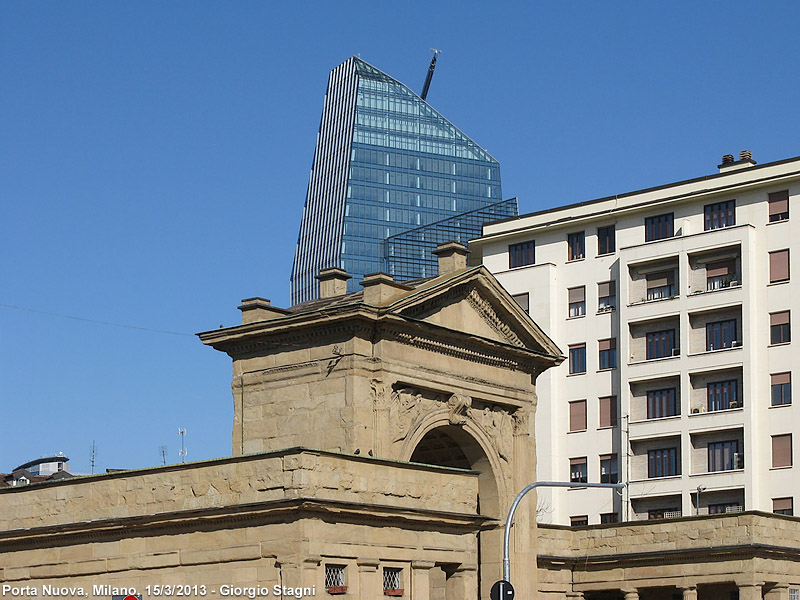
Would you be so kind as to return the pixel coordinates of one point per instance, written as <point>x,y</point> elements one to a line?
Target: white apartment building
<point>674,307</point>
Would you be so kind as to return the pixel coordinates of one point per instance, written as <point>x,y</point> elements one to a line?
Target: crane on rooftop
<point>430,73</point>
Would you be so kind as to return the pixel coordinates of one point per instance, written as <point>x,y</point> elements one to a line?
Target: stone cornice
<point>245,515</point>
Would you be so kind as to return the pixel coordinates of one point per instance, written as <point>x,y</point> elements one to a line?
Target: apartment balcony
<point>718,454</point>
<point>715,392</point>
<point>656,506</point>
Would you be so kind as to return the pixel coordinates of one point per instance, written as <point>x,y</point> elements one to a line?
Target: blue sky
<point>154,158</point>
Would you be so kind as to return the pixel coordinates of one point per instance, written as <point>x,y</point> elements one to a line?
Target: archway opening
<point>452,446</point>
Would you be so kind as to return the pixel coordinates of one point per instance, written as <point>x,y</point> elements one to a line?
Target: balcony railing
<point>721,282</point>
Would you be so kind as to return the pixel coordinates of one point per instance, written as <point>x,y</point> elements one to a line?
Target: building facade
<point>385,163</point>
<point>674,305</point>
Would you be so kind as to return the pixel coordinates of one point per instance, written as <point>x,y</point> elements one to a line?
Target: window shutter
<point>577,294</point>
<point>608,344</point>
<point>780,378</point>
<point>782,450</point>
<point>608,408</point>
<point>779,265</point>
<point>781,504</point>
<point>577,415</point>
<point>605,289</point>
<point>778,202</point>
<point>720,268</point>
<point>781,318</point>
<point>660,279</point>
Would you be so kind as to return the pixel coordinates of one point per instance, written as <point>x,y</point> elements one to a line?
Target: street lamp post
<point>528,488</point>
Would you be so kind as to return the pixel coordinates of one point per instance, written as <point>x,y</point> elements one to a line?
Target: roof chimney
<point>729,164</point>
<point>332,282</point>
<point>452,257</point>
<point>259,309</point>
<point>379,288</point>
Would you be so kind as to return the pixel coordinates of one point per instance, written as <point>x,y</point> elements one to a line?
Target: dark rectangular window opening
<point>520,255</point>
<point>721,334</point>
<point>781,388</point>
<point>724,456</point>
<point>576,246</point>
<point>778,206</point>
<point>607,353</point>
<point>778,266</point>
<point>609,518</point>
<point>577,359</point>
<point>606,296</point>
<point>783,506</point>
<point>580,521</point>
<point>780,328</point>
<point>577,301</point>
<point>663,463</point>
<point>660,227</point>
<point>721,275</point>
<point>662,403</point>
<point>720,214</point>
<point>723,395</point>
<point>661,285</point>
<point>608,411</point>
<point>606,243</point>
<point>577,470</point>
<point>782,450</point>
<point>609,471</point>
<point>661,344</point>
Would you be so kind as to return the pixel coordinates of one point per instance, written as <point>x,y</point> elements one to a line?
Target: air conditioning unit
<point>733,404</point>
<point>676,352</point>
<point>735,343</point>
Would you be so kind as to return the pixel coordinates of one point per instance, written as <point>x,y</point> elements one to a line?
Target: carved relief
<point>498,425</point>
<point>458,407</point>
<point>379,392</point>
<point>521,418</point>
<point>485,309</point>
<point>405,408</point>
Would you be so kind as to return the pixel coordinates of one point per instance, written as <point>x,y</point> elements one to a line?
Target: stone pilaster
<point>463,584</point>
<point>631,594</point>
<point>750,591</point>
<point>421,579</point>
<point>690,593</point>
<point>779,591</point>
<point>369,579</point>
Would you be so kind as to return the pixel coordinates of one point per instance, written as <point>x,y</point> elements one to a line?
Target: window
<point>577,301</point>
<point>781,384</point>
<point>609,472</point>
<point>720,275</point>
<point>520,255</point>
<point>392,581</point>
<point>606,296</point>
<point>605,240</point>
<point>577,415</point>
<point>663,513</point>
<point>723,395</point>
<point>724,507</point>
<point>720,214</point>
<point>334,579</point>
<point>663,463</point>
<point>609,518</point>
<point>782,450</point>
<point>779,206</point>
<point>794,593</point>
<point>576,243</point>
<point>778,266</point>
<point>721,334</point>
<point>523,300</point>
<point>580,521</point>
<point>577,359</point>
<point>661,285</point>
<point>662,403</point>
<point>661,344</point>
<point>577,470</point>
<point>608,353</point>
<point>780,329</point>
<point>608,411</point>
<point>658,228</point>
<point>782,506</point>
<point>724,456</point>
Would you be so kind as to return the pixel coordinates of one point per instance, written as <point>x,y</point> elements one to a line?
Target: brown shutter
<point>780,378</point>
<point>608,410</point>
<point>779,202</point>
<point>781,318</point>
<point>577,415</point>
<point>720,268</point>
<point>660,279</point>
<point>605,289</point>
<point>782,450</point>
<point>577,294</point>
<point>577,461</point>
<point>779,265</point>
<point>781,504</point>
<point>608,344</point>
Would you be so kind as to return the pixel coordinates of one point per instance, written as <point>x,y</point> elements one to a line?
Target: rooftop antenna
<point>162,450</point>
<point>432,66</point>
<point>182,451</point>
<point>92,455</point>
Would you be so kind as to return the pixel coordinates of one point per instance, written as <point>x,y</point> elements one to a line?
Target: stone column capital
<point>422,564</point>
<point>367,564</point>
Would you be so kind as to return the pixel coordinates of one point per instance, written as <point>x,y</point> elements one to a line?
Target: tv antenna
<point>162,450</point>
<point>182,451</point>
<point>92,455</point>
<point>431,67</point>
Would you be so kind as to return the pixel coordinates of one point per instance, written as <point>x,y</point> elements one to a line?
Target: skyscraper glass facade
<point>386,163</point>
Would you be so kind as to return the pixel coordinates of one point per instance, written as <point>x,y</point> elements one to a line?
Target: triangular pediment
<point>473,302</point>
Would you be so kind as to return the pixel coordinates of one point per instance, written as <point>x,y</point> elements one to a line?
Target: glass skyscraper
<point>391,179</point>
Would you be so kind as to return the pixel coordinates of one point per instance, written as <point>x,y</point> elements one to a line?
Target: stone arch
<point>467,445</point>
